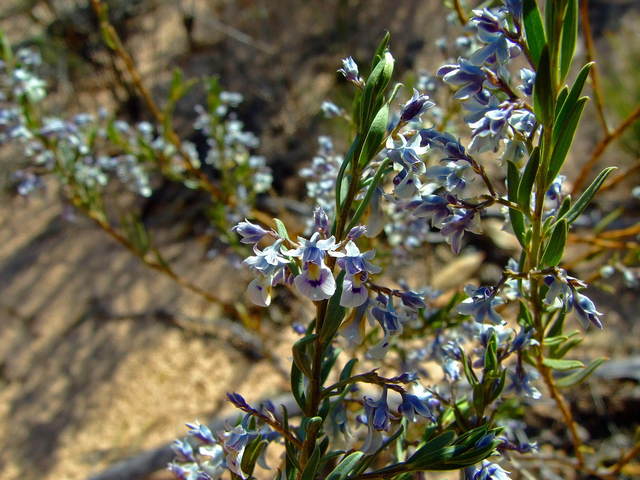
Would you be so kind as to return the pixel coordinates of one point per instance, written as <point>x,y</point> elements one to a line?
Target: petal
<point>259,291</point>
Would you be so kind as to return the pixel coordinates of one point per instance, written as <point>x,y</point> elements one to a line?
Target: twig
<point>115,43</point>
<point>565,409</point>
<point>595,69</point>
<point>601,147</point>
<point>626,458</point>
<point>462,16</point>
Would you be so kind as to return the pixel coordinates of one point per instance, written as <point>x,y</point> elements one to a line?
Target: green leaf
<point>580,376</point>
<point>344,468</point>
<point>577,208</point>
<point>555,248</point>
<point>380,49</point>
<point>533,28</point>
<point>543,94</point>
<point>569,36</point>
<point>328,363</point>
<point>528,178</point>
<point>561,350</point>
<point>516,216</point>
<point>562,364</point>
<point>373,185</point>
<point>567,104</point>
<point>300,357</point>
<point>335,313</point>
<point>565,139</point>
<point>373,94</point>
<point>281,229</point>
<point>375,136</point>
<point>251,454</point>
<point>311,468</point>
<point>297,386</point>
<point>564,207</point>
<point>6,54</point>
<point>562,96</point>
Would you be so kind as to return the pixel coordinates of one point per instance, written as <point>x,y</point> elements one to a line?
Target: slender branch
<point>601,147</point>
<point>462,16</point>
<point>626,458</point>
<point>115,43</point>
<point>158,266</point>
<point>595,69</point>
<point>565,409</point>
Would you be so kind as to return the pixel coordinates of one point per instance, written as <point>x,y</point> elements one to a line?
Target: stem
<point>595,70</point>
<point>462,17</point>
<point>564,407</point>
<point>537,241</point>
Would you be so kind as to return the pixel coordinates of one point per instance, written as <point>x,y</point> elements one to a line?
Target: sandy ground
<point>90,374</point>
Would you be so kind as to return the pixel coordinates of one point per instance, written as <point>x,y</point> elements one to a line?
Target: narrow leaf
<point>533,29</point>
<point>528,178</point>
<point>569,36</point>
<point>555,248</point>
<point>577,208</point>
<point>516,217</point>
<point>580,376</point>
<point>566,104</point>
<point>565,139</point>
<point>344,468</point>
<point>375,136</point>
<point>543,95</point>
<point>562,364</point>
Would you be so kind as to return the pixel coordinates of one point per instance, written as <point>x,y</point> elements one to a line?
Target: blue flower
<point>353,328</point>
<point>454,227</point>
<point>316,281</point>
<point>528,78</point>
<point>415,107</point>
<point>352,261</point>
<point>521,382</point>
<point>267,261</point>
<point>331,110</point>
<point>586,310</point>
<point>412,300</point>
<point>350,71</point>
<point>354,292</point>
<point>412,406</point>
<point>183,450</point>
<point>481,305</point>
<point>378,420</point>
<point>487,471</point>
<point>250,232</point>
<point>312,250</point>
<point>320,220</point>
<point>406,153</point>
<point>469,77</point>
<point>432,207</point>
<point>201,432</point>
<point>356,232</point>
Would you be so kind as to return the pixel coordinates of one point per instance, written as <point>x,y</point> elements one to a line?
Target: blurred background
<point>102,359</point>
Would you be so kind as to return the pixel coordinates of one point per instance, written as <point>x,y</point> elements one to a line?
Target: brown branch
<point>595,69</point>
<point>626,458</point>
<point>115,44</point>
<point>601,147</point>
<point>564,407</point>
<point>157,266</point>
<point>462,16</point>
